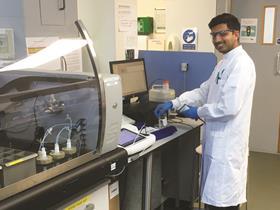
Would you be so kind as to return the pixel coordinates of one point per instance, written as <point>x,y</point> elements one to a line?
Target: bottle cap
<point>165,84</point>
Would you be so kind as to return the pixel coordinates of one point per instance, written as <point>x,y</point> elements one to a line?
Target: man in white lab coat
<point>224,101</point>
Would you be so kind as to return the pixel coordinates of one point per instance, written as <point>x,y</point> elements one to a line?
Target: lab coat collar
<point>233,52</point>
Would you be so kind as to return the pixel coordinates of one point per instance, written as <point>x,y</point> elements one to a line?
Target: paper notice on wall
<point>68,62</point>
<point>248,31</point>
<point>160,23</point>
<point>126,20</point>
<point>35,44</point>
<point>156,44</point>
<point>73,61</point>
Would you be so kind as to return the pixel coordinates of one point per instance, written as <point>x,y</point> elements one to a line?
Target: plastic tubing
<point>48,131</point>
<point>70,127</point>
<point>59,133</point>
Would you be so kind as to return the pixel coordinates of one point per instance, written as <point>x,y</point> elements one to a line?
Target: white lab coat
<point>225,103</point>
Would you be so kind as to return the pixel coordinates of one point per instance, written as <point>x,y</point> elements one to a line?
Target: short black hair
<point>225,18</point>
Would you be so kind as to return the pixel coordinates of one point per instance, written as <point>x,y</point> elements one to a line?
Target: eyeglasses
<point>222,33</point>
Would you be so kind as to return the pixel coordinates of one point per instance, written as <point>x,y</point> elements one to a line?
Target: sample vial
<point>162,121</point>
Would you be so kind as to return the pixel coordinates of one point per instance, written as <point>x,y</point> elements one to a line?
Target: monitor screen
<point>133,76</point>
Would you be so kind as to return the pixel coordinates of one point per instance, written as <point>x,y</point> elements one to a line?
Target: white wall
<point>98,17</point>
<point>189,13</point>
<point>101,20</point>
<point>181,14</point>
<point>147,7</point>
<point>125,39</point>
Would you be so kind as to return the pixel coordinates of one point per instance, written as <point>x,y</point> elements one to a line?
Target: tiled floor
<point>263,190</point>
<point>263,182</point>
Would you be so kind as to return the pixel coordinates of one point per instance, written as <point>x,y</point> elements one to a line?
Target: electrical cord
<point>138,134</point>
<point>202,120</point>
<point>145,131</point>
<point>180,121</point>
<point>182,107</point>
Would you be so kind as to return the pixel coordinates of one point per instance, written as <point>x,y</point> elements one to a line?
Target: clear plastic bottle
<point>162,121</point>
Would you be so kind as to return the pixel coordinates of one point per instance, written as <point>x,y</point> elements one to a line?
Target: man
<point>224,101</point>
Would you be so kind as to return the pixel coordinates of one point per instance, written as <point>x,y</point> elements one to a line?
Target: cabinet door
<point>52,12</point>
<point>50,18</point>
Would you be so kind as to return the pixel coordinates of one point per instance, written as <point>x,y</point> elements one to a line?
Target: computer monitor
<point>133,77</point>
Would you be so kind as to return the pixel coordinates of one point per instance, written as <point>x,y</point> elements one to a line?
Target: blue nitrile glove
<point>191,112</point>
<point>162,108</point>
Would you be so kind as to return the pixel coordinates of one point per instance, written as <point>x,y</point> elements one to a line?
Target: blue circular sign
<point>189,36</point>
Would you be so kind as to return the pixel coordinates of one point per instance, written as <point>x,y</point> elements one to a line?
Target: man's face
<point>224,39</point>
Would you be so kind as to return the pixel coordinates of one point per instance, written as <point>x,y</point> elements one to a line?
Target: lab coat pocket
<point>218,129</point>
<point>215,140</point>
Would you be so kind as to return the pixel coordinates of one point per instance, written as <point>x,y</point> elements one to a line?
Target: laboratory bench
<point>62,189</point>
<point>168,170</point>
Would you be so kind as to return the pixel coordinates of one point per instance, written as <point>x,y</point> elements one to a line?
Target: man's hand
<point>191,112</point>
<point>162,108</point>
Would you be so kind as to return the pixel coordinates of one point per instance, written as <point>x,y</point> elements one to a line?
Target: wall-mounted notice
<point>189,39</point>
<point>160,25</point>
<point>269,25</point>
<point>248,31</point>
<point>126,20</point>
<point>70,62</point>
<point>35,44</point>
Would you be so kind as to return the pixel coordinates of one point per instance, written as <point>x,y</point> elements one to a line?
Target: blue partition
<point>166,65</point>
